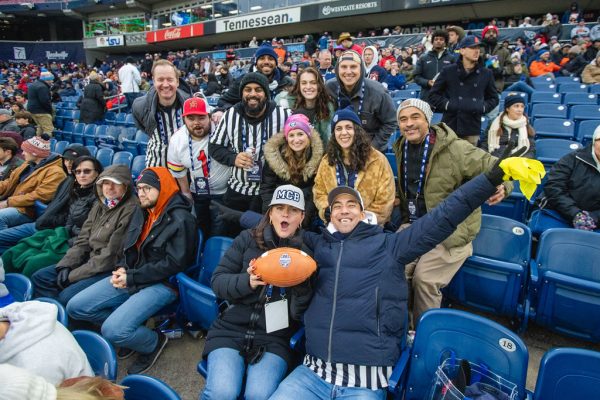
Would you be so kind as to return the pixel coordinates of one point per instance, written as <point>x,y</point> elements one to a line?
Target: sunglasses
<point>85,171</point>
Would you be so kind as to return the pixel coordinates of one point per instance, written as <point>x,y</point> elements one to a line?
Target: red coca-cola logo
<point>171,34</point>
<point>180,32</point>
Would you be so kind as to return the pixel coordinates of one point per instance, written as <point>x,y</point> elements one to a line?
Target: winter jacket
<point>540,67</point>
<point>428,67</point>
<point>92,105</point>
<point>464,97</point>
<point>100,242</point>
<point>13,164</point>
<point>144,109</point>
<point>232,96</point>
<point>395,82</point>
<point>231,282</point>
<point>573,185</point>
<point>504,139</point>
<point>452,162</point>
<point>56,212</point>
<point>169,248</point>
<point>39,98</point>
<point>359,309</point>
<point>9,126</point>
<point>40,184</point>
<point>39,343</point>
<point>502,62</point>
<point>591,74</point>
<point>130,78</point>
<point>378,113</point>
<point>28,131</point>
<point>375,184</point>
<point>276,172</point>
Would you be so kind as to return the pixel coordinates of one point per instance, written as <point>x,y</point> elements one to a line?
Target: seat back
<point>143,387</point>
<point>62,315</point>
<point>89,130</point>
<point>554,128</point>
<point>545,110</point>
<point>129,120</point>
<point>503,239</point>
<point>586,130</point>
<point>19,286</point>
<point>546,97</point>
<point>137,166</point>
<point>122,157</point>
<point>93,150</point>
<point>100,353</point>
<point>549,151</point>
<point>580,98</point>
<point>442,332</point>
<point>583,112</point>
<point>568,373</point>
<point>572,87</point>
<point>105,156</point>
<point>60,147</point>
<point>214,249</point>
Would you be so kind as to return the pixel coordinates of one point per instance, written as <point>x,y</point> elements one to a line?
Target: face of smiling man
<point>349,73</point>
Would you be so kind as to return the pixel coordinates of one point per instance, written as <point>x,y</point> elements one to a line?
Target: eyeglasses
<point>85,171</point>
<point>144,189</point>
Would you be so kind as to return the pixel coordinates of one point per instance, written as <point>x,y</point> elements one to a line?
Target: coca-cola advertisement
<point>175,33</point>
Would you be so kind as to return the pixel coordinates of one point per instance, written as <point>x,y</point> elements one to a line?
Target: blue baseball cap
<point>470,41</point>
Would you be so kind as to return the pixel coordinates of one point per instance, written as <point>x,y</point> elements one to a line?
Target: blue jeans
<point>304,384</point>
<point>226,370</point>
<point>122,314</point>
<point>10,217</point>
<point>9,237</point>
<point>520,86</point>
<point>44,285</point>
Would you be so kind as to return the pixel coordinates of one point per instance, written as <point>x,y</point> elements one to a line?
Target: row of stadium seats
<point>114,137</point>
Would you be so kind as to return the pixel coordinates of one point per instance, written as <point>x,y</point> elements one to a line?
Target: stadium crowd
<point>300,140</point>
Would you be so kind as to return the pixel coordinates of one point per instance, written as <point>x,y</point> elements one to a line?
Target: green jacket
<point>287,100</point>
<point>454,161</point>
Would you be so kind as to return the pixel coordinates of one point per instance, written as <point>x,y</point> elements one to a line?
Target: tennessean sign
<point>252,21</point>
<point>176,33</point>
<point>344,8</point>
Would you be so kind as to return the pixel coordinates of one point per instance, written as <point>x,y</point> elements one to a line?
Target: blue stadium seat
<point>568,373</point>
<point>143,144</point>
<point>110,117</point>
<point>585,130</point>
<point>544,219</point>
<point>89,133</point>
<point>59,118</point>
<point>109,139</point>
<point>105,156</point>
<point>122,157</point>
<point>443,333</point>
<point>542,79</point>
<point>127,133</point>
<point>565,283</point>
<point>595,89</point>
<point>93,150</point>
<point>567,79</point>
<point>572,99</point>
<point>545,87</point>
<point>120,119</point>
<point>554,128</point>
<point>60,146</point>
<point>545,110</point>
<point>143,387</point>
<point>494,278</point>
<point>66,131</point>
<point>437,118</point>
<point>100,353</point>
<point>130,121</point>
<point>515,206</point>
<point>74,116</point>
<point>549,151</point>
<point>53,142</point>
<point>131,145</point>
<point>198,302</point>
<point>391,157</point>
<point>584,112</point>
<point>19,286</point>
<point>572,88</point>
<point>137,166</point>
<point>546,97</point>
<point>406,94</point>
<point>77,135</point>
<point>61,315</point>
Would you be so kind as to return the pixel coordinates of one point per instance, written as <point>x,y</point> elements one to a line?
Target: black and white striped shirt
<point>233,125</point>
<point>350,375</point>
<point>168,121</point>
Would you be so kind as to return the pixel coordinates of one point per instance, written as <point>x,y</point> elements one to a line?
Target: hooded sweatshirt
<point>373,71</point>
<point>38,342</point>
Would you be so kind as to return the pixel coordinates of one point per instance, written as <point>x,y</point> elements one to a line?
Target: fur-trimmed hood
<point>274,156</point>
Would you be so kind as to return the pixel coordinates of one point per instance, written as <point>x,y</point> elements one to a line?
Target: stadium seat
<point>100,353</point>
<point>584,112</point>
<point>93,150</point>
<point>53,142</point>
<point>143,144</point>
<point>89,133</point>
<point>391,157</point>
<point>494,278</point>
<point>585,130</point>
<point>130,121</point>
<point>105,156</point>
<point>515,206</point>
<point>565,283</point>
<point>595,89</point>
<point>143,387</point>
<point>74,116</point>
<point>109,139</point>
<point>110,117</point>
<point>567,79</point>
<point>19,286</point>
<point>62,315</point>
<point>60,146</point>
<point>572,99</point>
<point>65,132</point>
<point>137,166</point>
<point>437,118</point>
<point>542,79</point>
<point>568,373</point>
<point>554,128</point>
<point>406,94</point>
<point>199,303</point>
<point>544,219</point>
<point>59,118</point>
<point>131,144</point>
<point>77,135</point>
<point>446,333</point>
<point>122,157</point>
<point>549,151</point>
<point>545,110</point>
<point>573,87</point>
<point>120,119</point>
<point>545,87</point>
<point>546,97</point>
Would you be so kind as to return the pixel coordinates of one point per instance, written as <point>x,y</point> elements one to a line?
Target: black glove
<point>327,215</point>
<point>62,278</point>
<point>496,174</point>
<point>225,214</point>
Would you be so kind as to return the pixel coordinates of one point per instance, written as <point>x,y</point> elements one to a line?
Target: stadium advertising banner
<point>42,52</point>
<point>262,20</point>
<point>345,8</point>
<point>110,41</point>
<point>176,33</point>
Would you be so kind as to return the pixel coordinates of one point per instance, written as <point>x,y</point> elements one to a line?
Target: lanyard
<point>162,125</point>
<point>202,157</point>
<point>270,292</point>
<point>245,138</point>
<point>344,178</point>
<point>360,103</point>
<point>423,165</point>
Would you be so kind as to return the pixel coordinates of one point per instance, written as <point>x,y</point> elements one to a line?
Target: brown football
<point>284,266</point>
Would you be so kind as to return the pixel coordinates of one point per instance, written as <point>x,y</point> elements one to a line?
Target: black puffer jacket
<point>231,282</point>
<point>428,67</point>
<point>574,185</point>
<point>92,105</point>
<point>39,98</point>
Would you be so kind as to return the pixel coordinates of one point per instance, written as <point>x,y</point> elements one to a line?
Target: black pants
<point>240,202</point>
<point>206,218</point>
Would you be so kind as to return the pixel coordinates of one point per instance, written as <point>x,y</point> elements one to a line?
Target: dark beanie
<point>265,49</point>
<point>150,178</point>
<point>345,114</point>
<point>513,98</point>
<point>74,151</point>
<point>255,77</point>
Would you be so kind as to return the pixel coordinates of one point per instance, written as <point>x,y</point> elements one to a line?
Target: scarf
<point>112,203</point>
<point>519,124</point>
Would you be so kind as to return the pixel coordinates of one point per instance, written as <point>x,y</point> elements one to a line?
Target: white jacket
<point>37,342</point>
<point>130,78</point>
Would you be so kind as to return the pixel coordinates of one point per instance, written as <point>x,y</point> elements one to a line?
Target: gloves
<point>225,214</point>
<point>62,278</point>
<point>327,215</point>
<point>584,221</point>
<point>496,174</point>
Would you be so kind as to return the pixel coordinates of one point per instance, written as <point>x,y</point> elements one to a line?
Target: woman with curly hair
<point>350,160</point>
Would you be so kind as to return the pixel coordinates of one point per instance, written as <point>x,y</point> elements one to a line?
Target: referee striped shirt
<point>229,135</point>
<point>349,375</point>
<point>168,121</point>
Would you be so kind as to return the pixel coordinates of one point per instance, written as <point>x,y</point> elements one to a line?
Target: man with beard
<point>200,178</point>
<point>368,98</point>
<point>158,113</point>
<point>240,137</point>
<point>495,56</point>
<point>431,63</point>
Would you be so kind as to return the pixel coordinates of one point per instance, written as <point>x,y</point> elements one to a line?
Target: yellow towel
<point>527,171</point>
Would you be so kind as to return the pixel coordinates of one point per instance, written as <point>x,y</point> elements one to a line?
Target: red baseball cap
<point>195,106</point>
